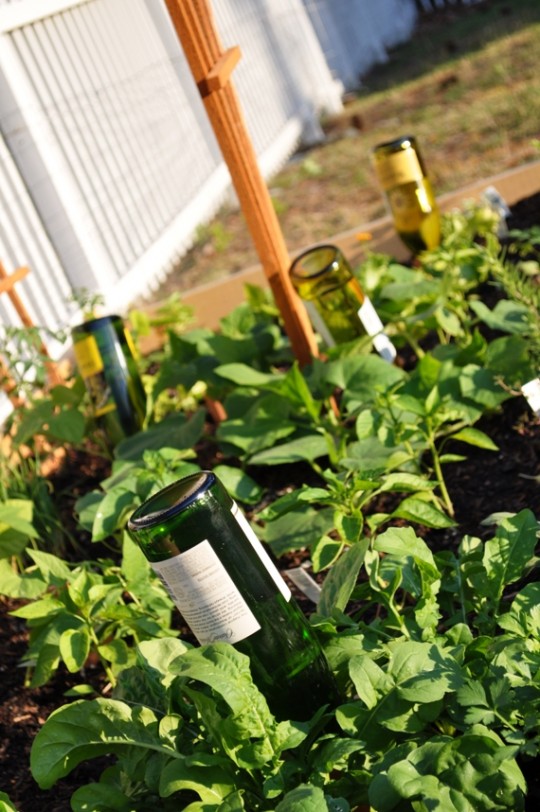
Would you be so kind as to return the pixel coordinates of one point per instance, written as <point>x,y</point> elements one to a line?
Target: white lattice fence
<point>107,154</point>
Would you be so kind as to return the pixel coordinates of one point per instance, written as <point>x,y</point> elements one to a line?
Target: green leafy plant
<point>95,608</point>
<point>439,697</point>
<point>436,654</point>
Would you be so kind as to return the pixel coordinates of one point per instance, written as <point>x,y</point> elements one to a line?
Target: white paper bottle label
<point>206,596</point>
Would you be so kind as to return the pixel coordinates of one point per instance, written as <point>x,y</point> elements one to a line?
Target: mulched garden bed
<point>488,482</point>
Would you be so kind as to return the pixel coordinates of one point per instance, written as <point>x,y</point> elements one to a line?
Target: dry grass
<point>467,85</point>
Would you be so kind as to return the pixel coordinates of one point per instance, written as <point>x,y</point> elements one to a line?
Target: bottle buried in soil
<point>338,307</point>
<point>401,173</point>
<point>227,589</point>
<point>104,354</point>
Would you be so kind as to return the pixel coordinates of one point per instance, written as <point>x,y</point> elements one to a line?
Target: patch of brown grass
<point>474,115</point>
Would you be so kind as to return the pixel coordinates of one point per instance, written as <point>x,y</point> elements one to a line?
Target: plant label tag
<point>531,392</point>
<point>261,552</point>
<point>305,583</point>
<point>375,328</point>
<point>318,324</point>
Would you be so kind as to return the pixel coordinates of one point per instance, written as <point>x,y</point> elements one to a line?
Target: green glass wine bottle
<point>401,172</point>
<point>104,354</point>
<point>338,307</point>
<point>226,588</point>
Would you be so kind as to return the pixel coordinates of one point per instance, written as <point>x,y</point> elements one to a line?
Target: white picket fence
<point>107,160</point>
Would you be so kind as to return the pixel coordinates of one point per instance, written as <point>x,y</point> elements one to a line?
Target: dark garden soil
<point>488,482</point>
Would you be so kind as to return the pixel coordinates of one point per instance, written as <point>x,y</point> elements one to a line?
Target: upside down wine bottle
<point>103,350</point>
<point>338,307</point>
<point>402,175</point>
<point>226,587</point>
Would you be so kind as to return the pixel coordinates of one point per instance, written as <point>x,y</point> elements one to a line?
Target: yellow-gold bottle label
<point>88,357</point>
<point>131,344</point>
<point>398,168</point>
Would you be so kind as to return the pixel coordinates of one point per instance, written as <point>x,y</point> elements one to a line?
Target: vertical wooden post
<point>211,68</point>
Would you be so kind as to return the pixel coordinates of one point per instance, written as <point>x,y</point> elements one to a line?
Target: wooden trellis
<point>211,67</point>
<point>7,285</point>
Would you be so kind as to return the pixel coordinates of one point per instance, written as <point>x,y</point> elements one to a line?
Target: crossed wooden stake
<point>7,285</point>
<point>211,67</point>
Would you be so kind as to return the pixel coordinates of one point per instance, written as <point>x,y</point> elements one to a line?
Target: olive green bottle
<point>339,309</point>
<point>226,588</point>
<point>402,175</point>
<point>103,350</point>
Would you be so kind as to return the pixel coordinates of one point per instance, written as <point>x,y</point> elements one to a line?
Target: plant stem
<point>106,667</point>
<point>440,478</point>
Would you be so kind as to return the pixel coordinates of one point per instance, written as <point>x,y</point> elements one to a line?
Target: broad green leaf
<point>409,403</point>
<point>334,754</point>
<point>449,321</point>
<point>5,803</point>
<point>341,580</point>
<point>86,508</point>
<point>297,530</point>
<point>301,449</point>
<point>403,542</point>
<point>112,513</point>
<point>475,437</point>
<point>508,553</point>
<point>472,693</point>
<point>74,648</point>
<point>36,610</point>
<point>80,691</point>
<point>481,386</point>
<point>471,772</point>
<point>211,777</point>
<point>264,433</point>
<point>116,652</point>
<point>445,459</point>
<point>227,672</point>
<point>87,729</point>
<point>45,665</point>
<point>52,568</point>
<point>402,482</point>
<point>303,798</point>
<point>324,553</point>
<point>158,654</point>
<point>422,672</point>
<point>296,390</point>
<point>238,484</point>
<point>68,426</point>
<point>507,315</point>
<point>293,499</point>
<point>244,375</point>
<point>174,432</point>
<point>416,510</point>
<point>17,514</point>
<point>249,734</point>
<point>472,698</point>
<point>134,565</point>
<point>369,456</point>
<point>33,421</point>
<point>13,585</point>
<point>509,356</point>
<point>361,377</point>
<point>523,617</point>
<point>369,679</point>
<point>102,797</point>
<point>16,528</point>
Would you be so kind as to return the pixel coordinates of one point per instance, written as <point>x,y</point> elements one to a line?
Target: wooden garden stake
<point>211,67</point>
<point>7,285</point>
